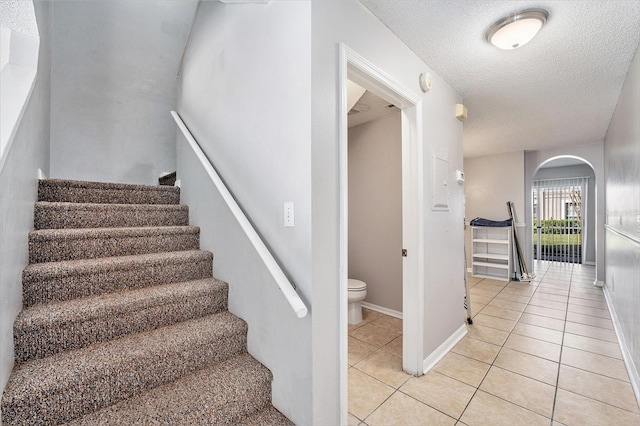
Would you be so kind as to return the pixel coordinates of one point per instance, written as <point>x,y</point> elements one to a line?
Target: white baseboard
<point>382,309</point>
<point>634,376</point>
<point>470,270</point>
<point>598,283</point>
<point>443,349</point>
<point>590,263</point>
<point>41,174</point>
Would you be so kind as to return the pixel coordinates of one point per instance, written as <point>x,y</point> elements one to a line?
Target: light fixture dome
<point>517,29</point>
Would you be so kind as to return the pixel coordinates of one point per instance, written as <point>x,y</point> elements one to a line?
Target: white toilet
<point>357,293</point>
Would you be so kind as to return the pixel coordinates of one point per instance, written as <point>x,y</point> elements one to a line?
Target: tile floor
<point>542,353</point>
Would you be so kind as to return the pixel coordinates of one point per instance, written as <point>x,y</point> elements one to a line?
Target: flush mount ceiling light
<point>517,29</point>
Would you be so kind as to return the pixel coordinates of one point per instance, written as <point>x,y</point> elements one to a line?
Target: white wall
<point>491,181</point>
<point>245,92</point>
<point>113,78</point>
<point>348,22</point>
<point>622,181</point>
<point>589,255</point>
<point>375,209</point>
<point>593,155</point>
<point>18,188</point>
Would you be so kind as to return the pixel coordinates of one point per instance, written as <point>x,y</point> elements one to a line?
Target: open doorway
<point>370,78</point>
<point>563,201</point>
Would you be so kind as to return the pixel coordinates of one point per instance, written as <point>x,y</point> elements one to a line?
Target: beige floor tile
<point>353,420</point>
<point>540,321</point>
<point>497,312</point>
<point>550,297</point>
<point>359,350</point>
<point>535,347</point>
<point>593,345</point>
<point>546,312</point>
<point>540,333</point>
<point>385,367</point>
<point>353,327</point>
<point>595,363</point>
<point>522,292</point>
<point>440,392</point>
<point>369,315</point>
<point>476,349</point>
<point>587,296</point>
<point>462,368</point>
<point>587,310</point>
<point>485,409</point>
<point>601,388</point>
<point>589,320</point>
<point>365,393</point>
<point>590,331</point>
<point>482,300</point>
<point>487,334</point>
<point>494,322</point>
<point>481,292</point>
<point>528,365</point>
<point>507,304</point>
<point>488,287</point>
<point>513,297</point>
<point>574,409</point>
<point>535,301</point>
<point>552,291</point>
<point>394,346</point>
<point>586,302</point>
<point>374,335</point>
<point>520,390</point>
<point>497,283</point>
<point>401,409</point>
<point>586,288</point>
<point>388,322</point>
<point>476,308</point>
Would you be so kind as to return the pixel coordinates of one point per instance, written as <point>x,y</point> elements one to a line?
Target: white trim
<point>435,356</point>
<point>634,376</point>
<point>356,68</point>
<point>590,263</point>
<point>598,283</point>
<point>278,275</point>
<point>382,310</point>
<point>41,175</point>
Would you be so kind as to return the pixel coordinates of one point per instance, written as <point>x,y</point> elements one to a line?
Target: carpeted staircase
<point>122,320</point>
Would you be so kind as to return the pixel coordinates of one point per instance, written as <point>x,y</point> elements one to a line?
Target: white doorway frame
<point>362,72</point>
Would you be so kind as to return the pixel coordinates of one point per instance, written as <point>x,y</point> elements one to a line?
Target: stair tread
<point>119,357</point>
<point>106,185</point>
<point>81,266</point>
<point>80,233</point>
<point>213,395</point>
<point>109,206</point>
<point>88,308</point>
<point>82,191</point>
<point>268,416</point>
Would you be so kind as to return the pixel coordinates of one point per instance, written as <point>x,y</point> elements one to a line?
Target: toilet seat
<point>356,285</point>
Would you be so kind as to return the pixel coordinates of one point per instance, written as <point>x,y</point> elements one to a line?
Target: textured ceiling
<point>560,89</point>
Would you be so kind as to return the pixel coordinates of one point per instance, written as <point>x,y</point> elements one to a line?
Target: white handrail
<point>281,279</point>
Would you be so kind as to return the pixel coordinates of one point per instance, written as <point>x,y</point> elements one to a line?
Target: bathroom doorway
<point>411,246</point>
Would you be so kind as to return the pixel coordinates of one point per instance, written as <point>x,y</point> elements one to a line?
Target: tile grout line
<point>555,392</point>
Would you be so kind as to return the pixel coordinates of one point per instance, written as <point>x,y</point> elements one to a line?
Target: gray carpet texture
<point>123,321</point>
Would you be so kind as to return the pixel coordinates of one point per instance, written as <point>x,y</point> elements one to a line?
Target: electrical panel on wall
<point>440,167</point>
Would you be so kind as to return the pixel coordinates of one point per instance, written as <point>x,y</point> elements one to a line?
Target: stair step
<point>74,191</point>
<point>46,329</point>
<point>54,245</point>
<point>220,394</point>
<point>71,279</point>
<point>57,215</point>
<point>269,416</point>
<point>61,387</point>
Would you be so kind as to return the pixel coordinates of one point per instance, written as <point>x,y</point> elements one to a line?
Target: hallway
<point>539,353</point>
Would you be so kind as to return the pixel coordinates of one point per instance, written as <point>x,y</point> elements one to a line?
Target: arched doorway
<point>564,211</point>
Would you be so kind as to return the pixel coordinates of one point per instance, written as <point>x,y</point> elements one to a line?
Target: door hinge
<point>404,252</point>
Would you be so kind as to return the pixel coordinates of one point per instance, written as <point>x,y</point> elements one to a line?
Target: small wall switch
<point>289,215</point>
